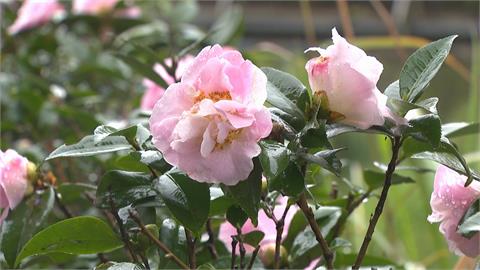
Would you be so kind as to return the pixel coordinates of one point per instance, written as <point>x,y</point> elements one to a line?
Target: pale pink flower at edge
<point>34,13</point>
<point>93,7</point>
<point>209,124</point>
<point>349,76</point>
<point>450,200</point>
<point>265,225</point>
<point>153,91</point>
<point>13,180</point>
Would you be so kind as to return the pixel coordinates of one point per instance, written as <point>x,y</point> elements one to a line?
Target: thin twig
<point>168,253</point>
<point>279,224</point>
<point>234,253</point>
<point>396,144</point>
<point>351,206</point>
<point>123,232</point>
<point>307,211</point>
<point>192,259</point>
<point>345,18</point>
<point>252,259</point>
<point>211,240</point>
<point>241,248</point>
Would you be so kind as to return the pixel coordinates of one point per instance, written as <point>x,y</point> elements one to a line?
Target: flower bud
<point>267,255</point>
<point>144,241</point>
<point>32,172</point>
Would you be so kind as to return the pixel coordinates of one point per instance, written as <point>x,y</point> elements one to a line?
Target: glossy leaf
<point>253,238</point>
<point>288,94</point>
<point>326,159</point>
<point>469,224</point>
<point>247,192</point>
<point>236,216</point>
<point>426,128</point>
<point>79,235</point>
<point>122,188</point>
<point>421,67</point>
<point>452,130</point>
<point>27,219</point>
<point>187,200</point>
<point>274,158</point>
<point>290,182</point>
<point>89,147</point>
<point>375,179</point>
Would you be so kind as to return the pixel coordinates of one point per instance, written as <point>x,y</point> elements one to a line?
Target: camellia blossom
<point>33,13</point>
<point>348,77</point>
<point>209,123</point>
<point>265,224</point>
<point>154,92</point>
<point>93,7</point>
<point>13,180</point>
<point>450,200</point>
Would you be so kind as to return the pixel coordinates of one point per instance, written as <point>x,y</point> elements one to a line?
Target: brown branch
<point>396,144</point>
<point>234,253</point>
<point>279,224</point>
<point>192,259</point>
<point>252,259</point>
<point>307,211</point>
<point>241,248</point>
<point>123,232</point>
<point>144,260</point>
<point>157,242</point>
<point>211,240</point>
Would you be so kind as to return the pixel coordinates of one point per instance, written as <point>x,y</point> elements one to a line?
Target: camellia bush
<point>151,144</point>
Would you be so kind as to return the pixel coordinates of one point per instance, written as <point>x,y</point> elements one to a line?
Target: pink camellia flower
<point>154,92</point>
<point>93,7</point>
<point>265,224</point>
<point>450,200</point>
<point>13,180</point>
<point>209,123</point>
<point>348,77</point>
<point>34,13</point>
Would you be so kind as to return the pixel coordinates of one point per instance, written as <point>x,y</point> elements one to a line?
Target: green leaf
<point>445,154</point>
<point>78,235</point>
<point>187,200</point>
<point>173,236</point>
<point>274,158</point>
<point>288,94</point>
<point>401,107</point>
<point>314,135</point>
<point>422,66</point>
<point>72,192</point>
<point>305,244</point>
<point>219,203</point>
<point>155,160</point>
<point>247,192</point>
<point>253,238</point>
<point>290,182</point>
<point>20,225</point>
<point>469,224</point>
<point>236,216</point>
<point>123,188</point>
<point>89,147</point>
<point>452,130</point>
<point>326,159</point>
<point>393,90</point>
<point>117,266</point>
<point>426,128</point>
<point>345,260</point>
<point>143,69</point>
<point>375,179</point>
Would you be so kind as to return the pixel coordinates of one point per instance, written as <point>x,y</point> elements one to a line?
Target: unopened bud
<point>143,240</point>
<point>32,172</point>
<point>264,185</point>
<point>267,255</point>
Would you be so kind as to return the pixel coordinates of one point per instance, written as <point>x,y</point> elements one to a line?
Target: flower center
<point>232,135</point>
<point>214,96</point>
